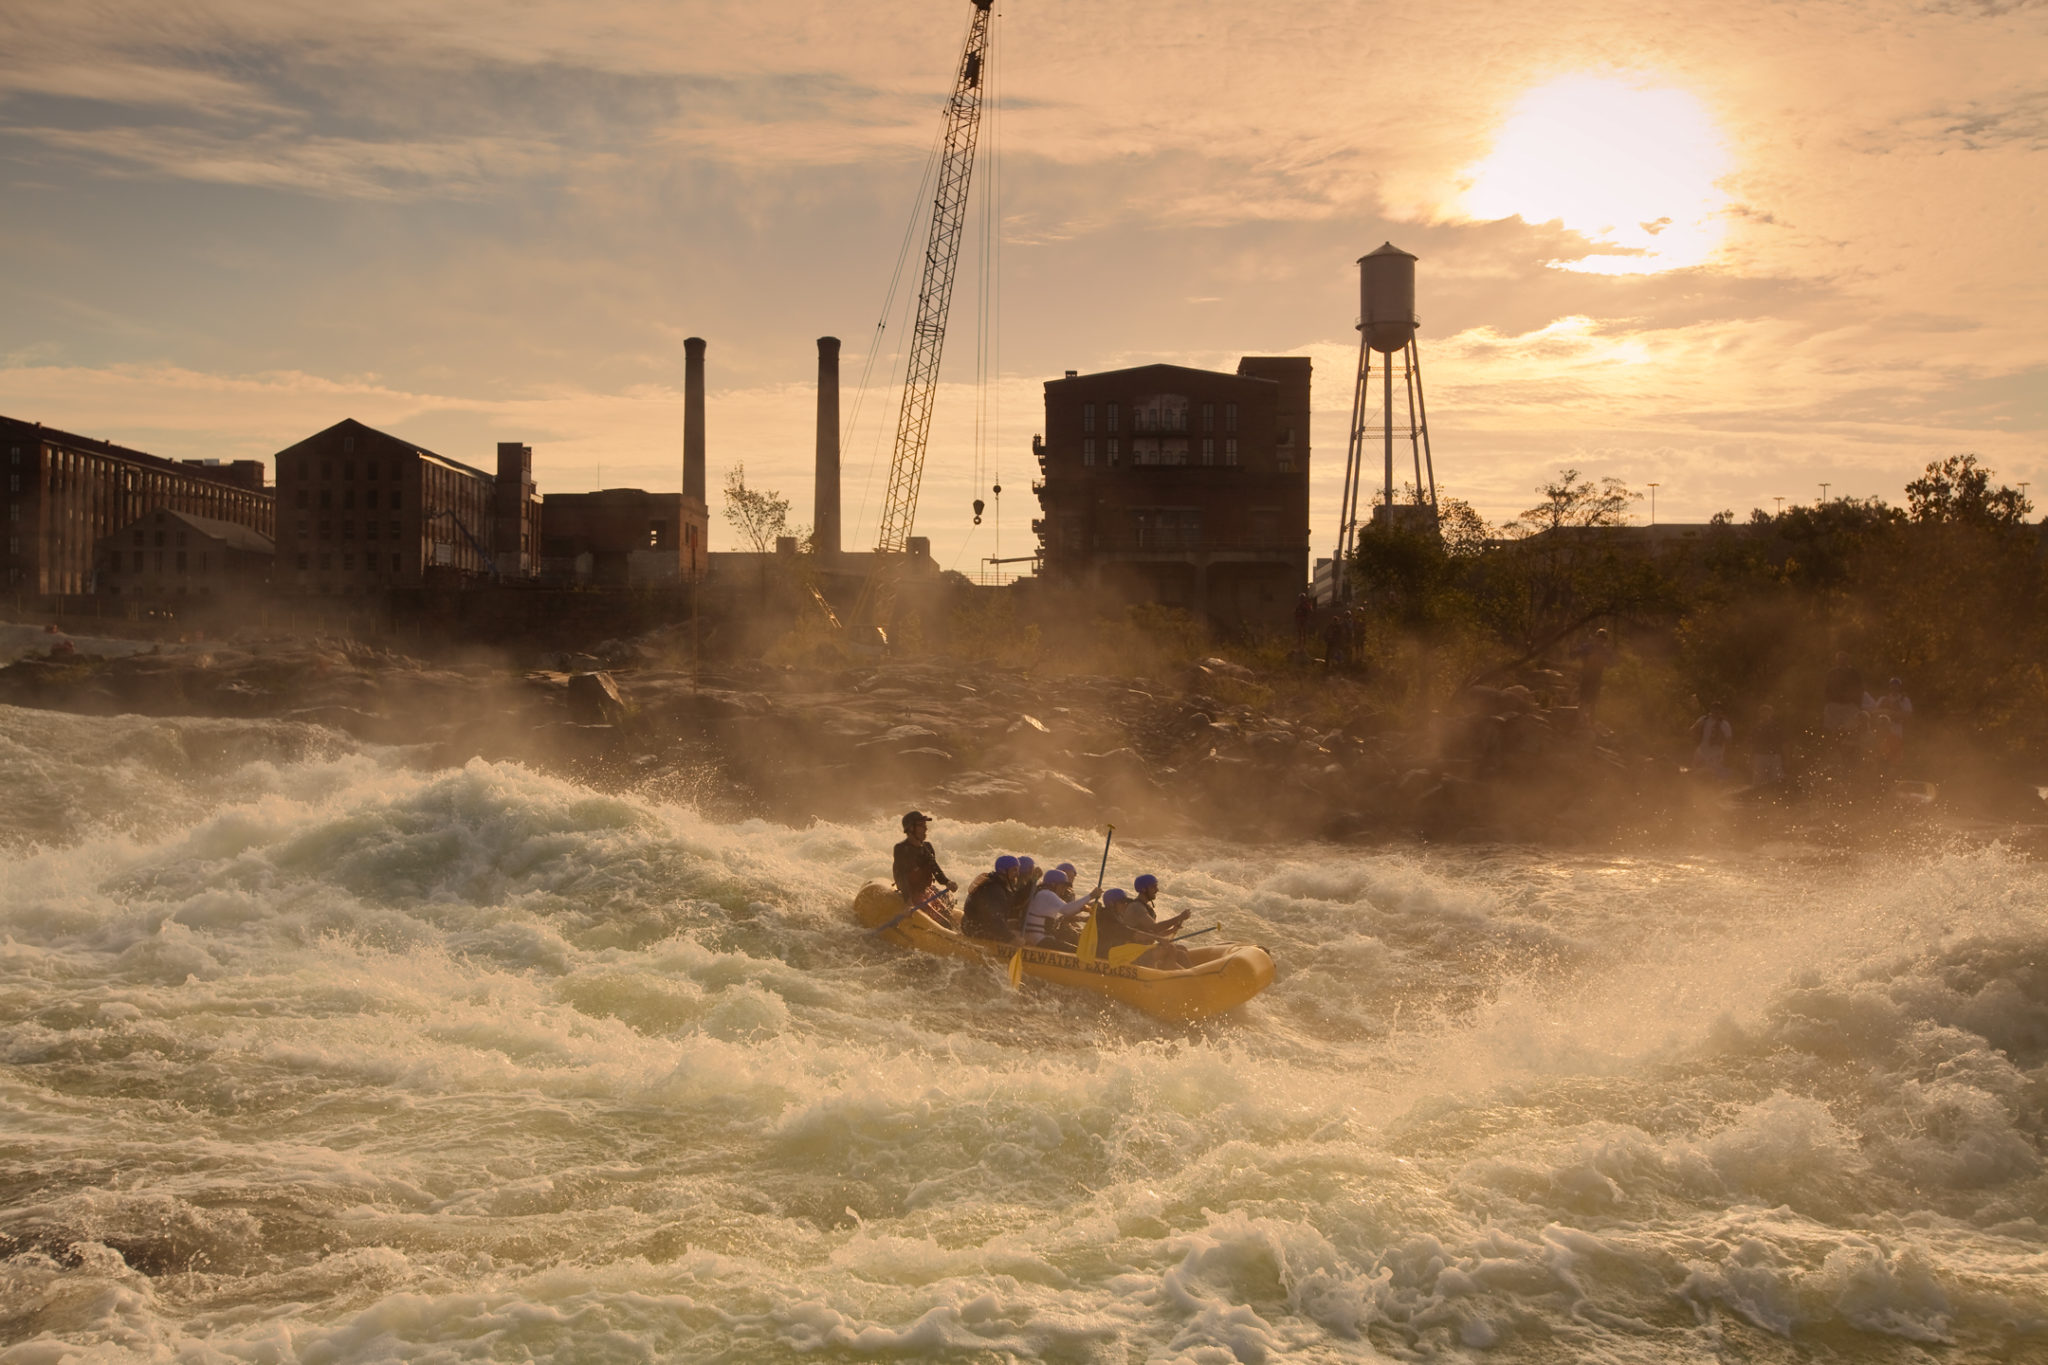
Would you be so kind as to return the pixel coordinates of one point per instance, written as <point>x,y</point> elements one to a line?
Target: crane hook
<point>977,511</point>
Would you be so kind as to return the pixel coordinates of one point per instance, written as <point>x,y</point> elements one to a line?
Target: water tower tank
<point>1386,285</point>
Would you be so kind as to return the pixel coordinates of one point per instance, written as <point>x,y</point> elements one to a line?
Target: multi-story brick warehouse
<point>361,511</point>
<point>65,493</point>
<point>1181,486</point>
<point>172,554</point>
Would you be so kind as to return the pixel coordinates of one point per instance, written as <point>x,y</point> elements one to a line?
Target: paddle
<point>1197,934</point>
<point>938,891</point>
<point>1090,935</point>
<point>1017,969</point>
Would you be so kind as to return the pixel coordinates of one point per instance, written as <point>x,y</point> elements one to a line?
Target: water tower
<point>1386,325</point>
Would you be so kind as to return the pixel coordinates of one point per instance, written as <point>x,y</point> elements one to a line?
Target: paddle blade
<point>1085,949</point>
<point>1017,969</point>
<point>1125,953</point>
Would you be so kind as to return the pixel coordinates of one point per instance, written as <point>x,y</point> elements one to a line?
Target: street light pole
<point>1781,505</point>
<point>1824,492</point>
<point>1653,504</point>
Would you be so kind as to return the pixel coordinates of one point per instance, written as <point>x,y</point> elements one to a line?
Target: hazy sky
<point>1738,249</point>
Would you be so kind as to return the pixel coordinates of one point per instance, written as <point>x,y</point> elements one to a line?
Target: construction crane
<point>935,292</point>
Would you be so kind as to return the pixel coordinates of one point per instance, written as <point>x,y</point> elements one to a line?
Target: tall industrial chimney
<point>693,418</point>
<point>825,516</point>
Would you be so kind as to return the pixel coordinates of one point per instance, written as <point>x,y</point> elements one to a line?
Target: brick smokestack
<point>825,517</point>
<point>693,418</point>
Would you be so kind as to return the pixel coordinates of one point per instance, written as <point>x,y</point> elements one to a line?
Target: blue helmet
<point>1147,885</point>
<point>1005,865</point>
<point>1055,877</point>
<point>1116,895</point>
<point>1067,870</point>
<point>1026,865</point>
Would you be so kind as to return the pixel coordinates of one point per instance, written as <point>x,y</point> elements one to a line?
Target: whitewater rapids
<point>310,1055</point>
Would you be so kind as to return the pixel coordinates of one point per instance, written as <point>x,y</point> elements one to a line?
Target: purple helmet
<point>1005,865</point>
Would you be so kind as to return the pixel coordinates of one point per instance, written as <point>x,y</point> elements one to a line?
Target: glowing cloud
<point>1630,167</point>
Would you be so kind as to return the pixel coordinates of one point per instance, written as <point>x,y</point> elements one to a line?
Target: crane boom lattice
<point>935,292</point>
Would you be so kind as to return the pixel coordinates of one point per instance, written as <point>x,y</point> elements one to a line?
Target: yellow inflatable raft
<point>1220,977</point>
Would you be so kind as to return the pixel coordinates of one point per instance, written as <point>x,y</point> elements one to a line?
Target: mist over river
<point>312,1055</point>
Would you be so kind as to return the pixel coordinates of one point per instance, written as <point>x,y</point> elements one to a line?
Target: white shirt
<point>1046,906</point>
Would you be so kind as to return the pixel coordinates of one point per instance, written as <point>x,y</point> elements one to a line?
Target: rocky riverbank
<point>1214,750</point>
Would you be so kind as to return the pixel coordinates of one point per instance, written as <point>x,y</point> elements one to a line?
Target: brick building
<point>167,553</point>
<point>65,494</point>
<point>361,511</point>
<point>623,537</point>
<point>1181,486</point>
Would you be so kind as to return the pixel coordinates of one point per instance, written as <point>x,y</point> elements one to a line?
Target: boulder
<point>594,699</point>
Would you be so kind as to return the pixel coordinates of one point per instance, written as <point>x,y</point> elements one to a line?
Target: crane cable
<point>910,227</point>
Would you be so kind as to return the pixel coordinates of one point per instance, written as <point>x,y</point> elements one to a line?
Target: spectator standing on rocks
<point>1843,699</point>
<point>1893,713</point>
<point>1767,749</point>
<point>1712,731</point>
<point>1595,657</point>
<point>1304,618</point>
<point>917,868</point>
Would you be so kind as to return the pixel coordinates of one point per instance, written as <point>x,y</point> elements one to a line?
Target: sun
<point>1632,167</point>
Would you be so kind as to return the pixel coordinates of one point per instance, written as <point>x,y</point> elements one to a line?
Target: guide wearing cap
<point>917,868</point>
<point>1144,912</point>
<point>989,900</point>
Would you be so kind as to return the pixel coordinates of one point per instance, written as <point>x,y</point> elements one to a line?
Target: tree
<point>1576,501</point>
<point>1958,489</point>
<point>761,516</point>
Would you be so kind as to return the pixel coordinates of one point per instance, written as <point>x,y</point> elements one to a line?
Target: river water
<point>313,1056</point>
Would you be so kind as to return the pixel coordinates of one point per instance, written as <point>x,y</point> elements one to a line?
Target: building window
<point>1230,417</point>
<point>1112,418</point>
<point>326,530</point>
<point>394,499</point>
<point>348,447</point>
<point>302,561</point>
<point>348,499</point>
<point>348,471</point>
<point>14,483</point>
<point>1087,417</point>
<point>1088,451</point>
<point>135,561</point>
<point>369,530</point>
<point>326,563</point>
<point>326,500</point>
<point>394,563</point>
<point>1208,417</point>
<point>1230,451</point>
<point>327,469</point>
<point>181,561</point>
<point>300,498</point>
<point>348,530</point>
<point>370,469</point>
<point>1283,459</point>
<point>348,563</point>
<point>159,537</point>
<point>370,496</point>
<point>394,530</point>
<point>159,561</point>
<point>202,561</point>
<point>1112,448</point>
<point>1208,450</point>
